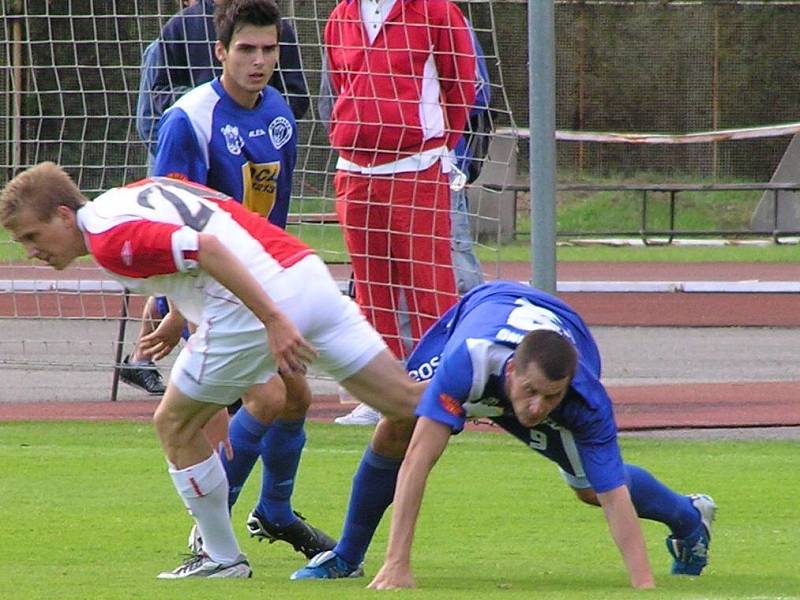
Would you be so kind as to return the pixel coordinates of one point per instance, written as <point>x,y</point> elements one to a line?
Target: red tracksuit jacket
<point>388,102</point>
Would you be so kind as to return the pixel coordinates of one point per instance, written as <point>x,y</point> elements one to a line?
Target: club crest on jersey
<point>280,132</point>
<point>233,140</point>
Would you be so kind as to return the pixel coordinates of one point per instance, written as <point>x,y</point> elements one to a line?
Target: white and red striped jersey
<point>145,235</point>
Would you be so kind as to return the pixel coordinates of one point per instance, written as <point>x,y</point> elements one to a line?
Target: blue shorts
<point>548,439</point>
<point>558,444</point>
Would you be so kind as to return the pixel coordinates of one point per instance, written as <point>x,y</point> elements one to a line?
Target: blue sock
<point>655,501</point>
<point>245,432</point>
<point>281,448</point>
<point>372,493</point>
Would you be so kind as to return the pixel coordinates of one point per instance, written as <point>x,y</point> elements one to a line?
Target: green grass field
<point>578,211</point>
<point>88,512</point>
<point>328,241</point>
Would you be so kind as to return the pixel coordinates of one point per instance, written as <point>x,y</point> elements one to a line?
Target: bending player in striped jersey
<point>237,135</point>
<point>261,299</point>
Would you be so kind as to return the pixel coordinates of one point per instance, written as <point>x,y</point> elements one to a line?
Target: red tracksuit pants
<point>397,230</point>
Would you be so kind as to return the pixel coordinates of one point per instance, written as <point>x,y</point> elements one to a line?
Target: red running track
<point>765,404</point>
<point>640,407</point>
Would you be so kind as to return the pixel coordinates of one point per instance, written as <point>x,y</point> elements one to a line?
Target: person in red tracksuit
<point>402,73</point>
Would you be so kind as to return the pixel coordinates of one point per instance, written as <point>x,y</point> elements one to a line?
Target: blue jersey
<point>465,355</point>
<point>183,58</point>
<point>248,154</point>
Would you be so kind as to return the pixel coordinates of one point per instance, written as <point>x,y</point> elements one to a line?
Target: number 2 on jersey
<point>196,221</point>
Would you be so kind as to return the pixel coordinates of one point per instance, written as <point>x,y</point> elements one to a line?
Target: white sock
<point>204,490</point>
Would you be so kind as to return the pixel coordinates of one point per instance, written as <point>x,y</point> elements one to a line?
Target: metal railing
<point>667,236</point>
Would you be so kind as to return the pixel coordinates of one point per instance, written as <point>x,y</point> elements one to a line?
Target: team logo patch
<point>280,132</point>
<point>233,140</point>
<point>451,405</point>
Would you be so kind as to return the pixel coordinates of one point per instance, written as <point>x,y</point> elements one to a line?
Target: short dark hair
<point>552,352</point>
<point>232,15</point>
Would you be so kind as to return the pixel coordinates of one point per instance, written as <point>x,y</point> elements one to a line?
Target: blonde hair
<point>42,188</point>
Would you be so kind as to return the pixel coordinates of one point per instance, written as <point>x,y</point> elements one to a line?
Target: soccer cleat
<point>328,565</point>
<point>691,553</point>
<point>360,415</point>
<point>303,537</point>
<point>145,377</point>
<point>201,565</point>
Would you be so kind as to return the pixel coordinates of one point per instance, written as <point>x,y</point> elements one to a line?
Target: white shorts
<point>219,368</point>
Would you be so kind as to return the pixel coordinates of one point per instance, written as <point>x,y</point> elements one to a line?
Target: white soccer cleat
<point>202,566</point>
<point>360,415</point>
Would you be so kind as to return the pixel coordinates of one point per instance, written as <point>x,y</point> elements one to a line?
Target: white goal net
<point>69,84</point>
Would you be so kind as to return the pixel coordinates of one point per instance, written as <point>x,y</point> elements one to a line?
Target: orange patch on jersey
<point>451,405</point>
<point>176,175</point>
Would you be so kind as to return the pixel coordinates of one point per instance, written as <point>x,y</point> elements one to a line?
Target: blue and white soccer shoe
<point>328,565</point>
<point>690,554</point>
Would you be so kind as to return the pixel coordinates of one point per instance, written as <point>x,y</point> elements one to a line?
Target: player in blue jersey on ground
<point>237,135</point>
<point>528,362</point>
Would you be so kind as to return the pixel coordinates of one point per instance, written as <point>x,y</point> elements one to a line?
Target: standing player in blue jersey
<point>234,133</point>
<point>183,57</point>
<point>528,362</point>
<point>237,135</point>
